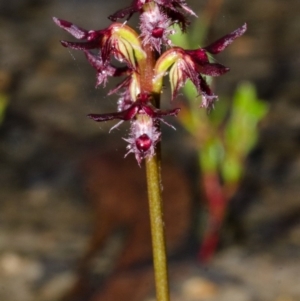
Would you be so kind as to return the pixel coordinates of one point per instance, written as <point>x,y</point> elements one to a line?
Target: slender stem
<point>157,229</point>
<point>146,69</point>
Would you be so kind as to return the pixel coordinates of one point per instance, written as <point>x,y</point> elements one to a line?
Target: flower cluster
<point>142,73</point>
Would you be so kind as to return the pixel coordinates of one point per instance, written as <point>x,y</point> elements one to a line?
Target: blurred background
<point>63,179</point>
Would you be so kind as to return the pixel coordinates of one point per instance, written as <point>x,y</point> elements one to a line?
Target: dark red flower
<point>142,115</point>
<point>118,41</point>
<point>194,65</point>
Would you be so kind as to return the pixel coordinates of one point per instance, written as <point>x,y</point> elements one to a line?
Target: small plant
<point>227,136</point>
<point>147,57</point>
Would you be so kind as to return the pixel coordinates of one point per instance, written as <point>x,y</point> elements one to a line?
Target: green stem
<point>157,228</point>
<point>146,71</point>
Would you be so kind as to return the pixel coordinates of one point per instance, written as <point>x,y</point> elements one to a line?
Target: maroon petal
<point>120,14</point>
<point>94,60</point>
<point>176,17</point>
<point>212,69</point>
<point>105,117</point>
<point>174,112</point>
<point>193,75</point>
<point>119,71</point>
<point>130,10</point>
<point>80,45</point>
<point>78,32</point>
<point>124,84</point>
<point>208,97</point>
<point>175,5</point>
<point>225,41</point>
<point>199,56</point>
<point>204,86</point>
<point>182,77</point>
<point>187,9</point>
<point>109,70</point>
<point>75,31</point>
<point>128,114</point>
<point>103,71</point>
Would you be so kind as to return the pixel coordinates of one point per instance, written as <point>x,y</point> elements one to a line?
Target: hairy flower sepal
<point>118,40</point>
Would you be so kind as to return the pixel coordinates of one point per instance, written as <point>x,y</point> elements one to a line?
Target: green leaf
<point>241,130</point>
<point>210,155</point>
<point>232,169</point>
<point>179,38</point>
